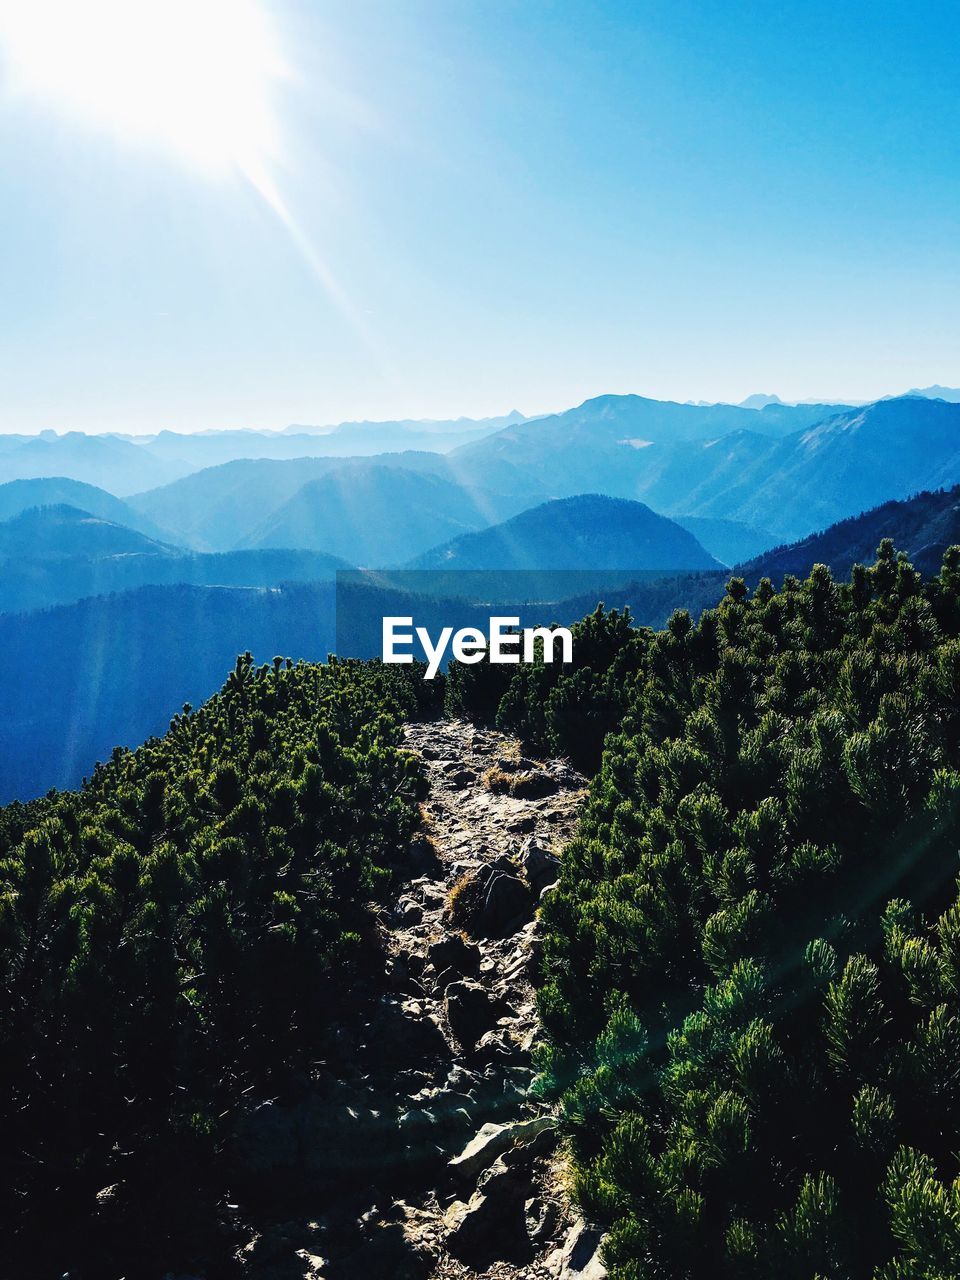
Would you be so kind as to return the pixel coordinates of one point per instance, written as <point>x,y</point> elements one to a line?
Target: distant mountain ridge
<point>235,504</point>
<point>125,463</point>
<point>589,531</point>
<point>838,462</point>
<point>107,462</point>
<point>58,554</point>
<point>630,447</point>
<point>775,466</point>
<point>20,495</point>
<point>937,392</point>
<point>376,515</point>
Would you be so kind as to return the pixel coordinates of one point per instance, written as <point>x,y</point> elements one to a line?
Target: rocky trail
<point>456,1170</point>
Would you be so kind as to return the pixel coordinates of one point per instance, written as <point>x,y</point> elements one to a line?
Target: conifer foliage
<point>184,932</point>
<point>752,961</point>
<point>558,708</point>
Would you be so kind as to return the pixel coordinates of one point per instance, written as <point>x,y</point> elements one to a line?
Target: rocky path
<point>462,1178</point>
<point>497,823</point>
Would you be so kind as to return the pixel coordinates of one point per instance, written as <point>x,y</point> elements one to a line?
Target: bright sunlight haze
<point>191,76</point>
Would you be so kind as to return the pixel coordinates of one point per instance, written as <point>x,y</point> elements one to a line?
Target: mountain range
<point>152,594</point>
<point>234,505</point>
<point>126,464</point>
<point>376,515</point>
<point>781,483</point>
<point>783,470</point>
<point>137,654</point>
<point>790,482</point>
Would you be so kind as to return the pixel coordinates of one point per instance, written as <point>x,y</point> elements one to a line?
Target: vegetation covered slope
<point>116,668</point>
<point>923,526</point>
<point>753,959</point>
<point>54,532</point>
<point>57,554</point>
<point>184,934</point>
<point>588,530</point>
<point>18,496</point>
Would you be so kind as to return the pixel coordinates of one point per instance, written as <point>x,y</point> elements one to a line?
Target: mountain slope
<point>848,464</point>
<point>17,496</point>
<point>376,515</point>
<point>56,532</point>
<point>54,555</point>
<point>736,1012</point>
<point>589,531</point>
<point>728,540</point>
<point>923,526</point>
<point>240,503</point>
<point>620,444</point>
<point>134,659</point>
<point>833,466</point>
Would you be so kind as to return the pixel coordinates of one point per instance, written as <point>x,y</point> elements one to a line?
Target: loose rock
<point>492,1141</point>
<point>506,905</point>
<point>470,1011</point>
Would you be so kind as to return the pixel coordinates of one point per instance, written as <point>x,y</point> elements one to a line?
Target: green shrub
<point>752,961</point>
<point>186,931</point>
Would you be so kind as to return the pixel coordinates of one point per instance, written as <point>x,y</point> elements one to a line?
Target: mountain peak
<point>588,530</point>
<point>759,401</point>
<point>936,392</point>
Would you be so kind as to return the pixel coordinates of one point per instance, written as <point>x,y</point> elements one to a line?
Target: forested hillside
<point>179,937</point>
<point>924,526</point>
<point>753,994</point>
<point>569,533</point>
<point>60,531</point>
<point>56,555</point>
<point>18,496</point>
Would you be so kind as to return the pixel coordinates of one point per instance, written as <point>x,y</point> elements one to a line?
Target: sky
<point>306,211</point>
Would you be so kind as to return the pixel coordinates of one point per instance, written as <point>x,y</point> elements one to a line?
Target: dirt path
<point>466,1180</point>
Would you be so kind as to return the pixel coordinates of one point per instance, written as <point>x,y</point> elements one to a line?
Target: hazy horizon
<point>466,418</point>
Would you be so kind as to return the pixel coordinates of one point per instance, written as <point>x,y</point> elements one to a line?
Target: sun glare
<point>194,77</point>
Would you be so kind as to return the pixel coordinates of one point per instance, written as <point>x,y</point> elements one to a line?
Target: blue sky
<point>479,205</point>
